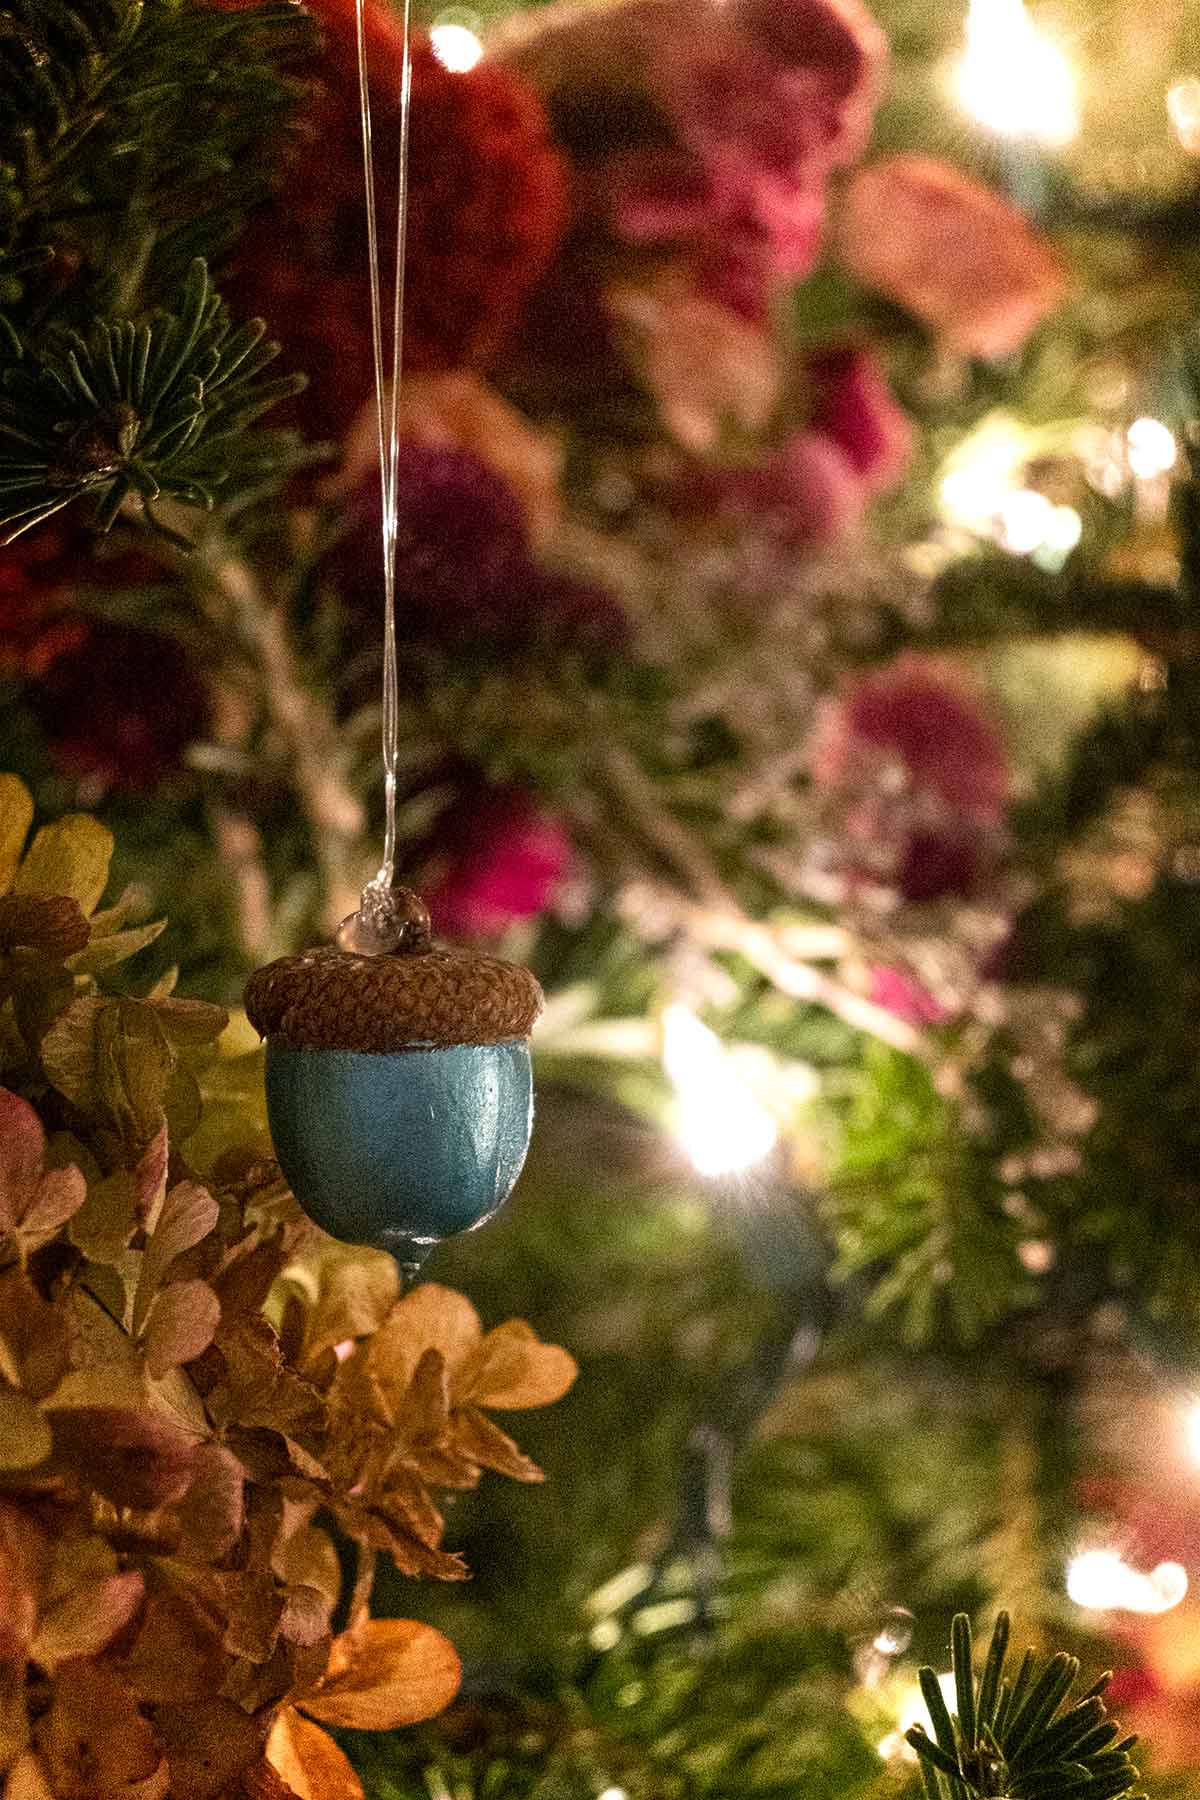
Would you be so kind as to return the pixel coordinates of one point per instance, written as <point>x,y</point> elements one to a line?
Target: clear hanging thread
<point>388,916</point>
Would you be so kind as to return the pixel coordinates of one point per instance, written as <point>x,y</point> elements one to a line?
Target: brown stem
<point>333,812</point>
<point>239,845</point>
<point>364,1581</point>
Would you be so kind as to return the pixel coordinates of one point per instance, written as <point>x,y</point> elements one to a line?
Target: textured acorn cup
<point>399,1088</point>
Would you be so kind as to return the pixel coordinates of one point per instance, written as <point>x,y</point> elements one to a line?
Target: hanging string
<point>389,918</point>
<point>387,419</point>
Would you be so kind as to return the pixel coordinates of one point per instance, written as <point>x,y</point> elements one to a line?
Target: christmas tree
<point>796,520</point>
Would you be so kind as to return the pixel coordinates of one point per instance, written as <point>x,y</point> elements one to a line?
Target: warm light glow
<point>983,491</point>
<point>456,46</point>
<point>913,1711</point>
<point>1191,1429</point>
<point>983,471</point>
<point>613,1793</point>
<point>719,1122</point>
<point>1183,110</point>
<point>1025,519</point>
<point>1101,1581</point>
<point>1012,79</point>
<point>1151,448</point>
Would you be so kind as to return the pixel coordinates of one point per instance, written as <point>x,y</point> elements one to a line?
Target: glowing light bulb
<point>1150,448</point>
<point>1102,1581</point>
<point>1012,79</point>
<point>1183,110</point>
<point>1026,518</point>
<point>719,1121</point>
<point>456,46</point>
<point>1191,1429</point>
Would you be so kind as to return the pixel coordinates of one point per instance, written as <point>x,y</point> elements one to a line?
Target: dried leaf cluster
<point>196,1388</point>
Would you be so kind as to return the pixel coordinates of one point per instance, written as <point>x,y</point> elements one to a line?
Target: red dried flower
<point>919,775</point>
<point>853,405</point>
<point>486,209</point>
<point>37,625</point>
<point>122,707</point>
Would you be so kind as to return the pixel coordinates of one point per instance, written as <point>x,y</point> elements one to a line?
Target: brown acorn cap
<point>332,999</point>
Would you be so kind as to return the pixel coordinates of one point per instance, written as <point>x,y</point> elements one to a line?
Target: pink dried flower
<point>715,136</point>
<point>905,997</point>
<point>503,857</point>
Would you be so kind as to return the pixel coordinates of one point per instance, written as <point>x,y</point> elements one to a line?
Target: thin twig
<point>239,845</point>
<point>334,813</point>
<point>763,946</point>
<point>715,917</point>
<point>364,1581</point>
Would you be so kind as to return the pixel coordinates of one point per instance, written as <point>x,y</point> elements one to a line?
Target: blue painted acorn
<point>399,1084</point>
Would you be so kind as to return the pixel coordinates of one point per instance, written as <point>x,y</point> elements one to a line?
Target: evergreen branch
<point>157,411</point>
<point>132,139</point>
<point>1027,1749</point>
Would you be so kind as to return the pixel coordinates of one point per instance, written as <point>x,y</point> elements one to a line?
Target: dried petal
<point>69,856</point>
<point>94,1743</point>
<point>425,1409</point>
<point>512,1368</point>
<point>208,1744</point>
<point>22,1154</point>
<point>27,1780</point>
<point>189,1214</point>
<point>190,1023</point>
<point>25,1440</point>
<point>481,1439</point>
<point>23,1557</point>
<point>355,1291</point>
<point>210,1515</point>
<point>178,1655</point>
<point>307,1557</point>
<point>261,1390</point>
<point>106,951</point>
<point>430,1318</point>
<point>131,1457</point>
<point>182,1321</point>
<point>309,1761</point>
<point>87,1619</point>
<point>16,816</point>
<point>386,1673</point>
<point>33,1337</point>
<point>50,924</point>
<point>25,1186</point>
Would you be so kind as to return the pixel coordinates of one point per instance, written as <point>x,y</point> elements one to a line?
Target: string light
<point>983,491</point>
<point>1150,448</point>
<point>455,43</point>
<point>1012,79</point>
<point>1102,1581</point>
<point>1183,110</point>
<point>723,1127</point>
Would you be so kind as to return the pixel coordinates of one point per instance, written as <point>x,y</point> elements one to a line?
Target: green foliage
<point>914,1203</point>
<point>1024,1737</point>
<point>135,134</point>
<point>161,411</point>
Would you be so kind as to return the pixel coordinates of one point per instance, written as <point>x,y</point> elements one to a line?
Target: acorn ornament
<point>399,1082</point>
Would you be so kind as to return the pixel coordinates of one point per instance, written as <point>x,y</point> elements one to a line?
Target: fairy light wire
<point>387,407</point>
